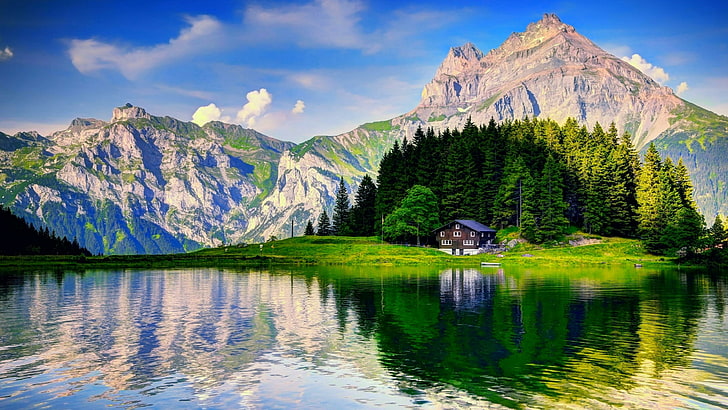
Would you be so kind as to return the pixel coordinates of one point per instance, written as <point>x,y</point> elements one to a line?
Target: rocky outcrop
<point>143,184</point>
<point>147,184</point>
<point>548,71</point>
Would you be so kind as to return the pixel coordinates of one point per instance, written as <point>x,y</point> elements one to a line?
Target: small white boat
<point>484,264</point>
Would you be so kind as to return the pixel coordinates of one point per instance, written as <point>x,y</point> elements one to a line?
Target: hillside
<point>141,183</point>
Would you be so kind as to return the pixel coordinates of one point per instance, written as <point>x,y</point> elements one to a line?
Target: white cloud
<point>681,88</point>
<point>299,107</point>
<point>6,54</point>
<point>657,73</point>
<point>207,113</point>
<point>258,102</point>
<point>92,55</point>
<point>327,23</point>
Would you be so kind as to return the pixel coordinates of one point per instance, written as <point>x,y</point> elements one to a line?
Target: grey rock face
<point>146,184</point>
<point>548,71</point>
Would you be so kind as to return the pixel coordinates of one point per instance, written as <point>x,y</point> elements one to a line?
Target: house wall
<point>463,237</point>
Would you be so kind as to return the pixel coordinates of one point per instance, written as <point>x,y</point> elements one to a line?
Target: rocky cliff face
<point>142,184</point>
<point>548,71</point>
<point>146,184</point>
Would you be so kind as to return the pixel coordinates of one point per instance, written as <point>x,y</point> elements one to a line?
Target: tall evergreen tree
<point>553,221</point>
<point>391,181</point>
<point>718,233</point>
<point>364,213</point>
<point>324,225</point>
<point>509,201</point>
<point>340,219</point>
<point>309,229</point>
<point>684,186</point>
<point>454,181</point>
<point>622,196</point>
<point>596,187</point>
<point>648,194</point>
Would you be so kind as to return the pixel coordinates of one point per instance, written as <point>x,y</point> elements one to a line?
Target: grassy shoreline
<point>314,250</point>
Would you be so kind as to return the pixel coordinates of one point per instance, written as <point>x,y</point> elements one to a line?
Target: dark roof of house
<point>474,225</point>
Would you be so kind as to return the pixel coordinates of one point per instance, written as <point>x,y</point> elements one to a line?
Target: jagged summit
<point>129,111</point>
<point>549,70</point>
<point>536,33</point>
<point>460,60</point>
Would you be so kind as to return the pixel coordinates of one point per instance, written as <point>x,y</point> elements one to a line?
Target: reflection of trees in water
<point>504,337</point>
<point>499,336</point>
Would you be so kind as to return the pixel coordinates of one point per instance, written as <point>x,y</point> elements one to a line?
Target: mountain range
<point>141,183</point>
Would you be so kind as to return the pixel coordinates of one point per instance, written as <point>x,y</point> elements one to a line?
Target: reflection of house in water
<point>468,288</point>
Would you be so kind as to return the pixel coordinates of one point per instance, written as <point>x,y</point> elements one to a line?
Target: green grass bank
<point>316,250</point>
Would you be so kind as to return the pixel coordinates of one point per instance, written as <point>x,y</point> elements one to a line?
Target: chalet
<point>464,237</point>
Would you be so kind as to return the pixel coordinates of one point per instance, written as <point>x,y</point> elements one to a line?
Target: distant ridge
<point>141,183</point>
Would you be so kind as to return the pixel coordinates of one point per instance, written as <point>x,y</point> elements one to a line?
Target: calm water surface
<point>364,337</point>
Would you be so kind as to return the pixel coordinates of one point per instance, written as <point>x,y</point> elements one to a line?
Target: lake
<point>359,337</point>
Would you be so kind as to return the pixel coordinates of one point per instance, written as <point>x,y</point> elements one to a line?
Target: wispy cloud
<point>6,53</point>
<point>657,73</point>
<point>202,95</point>
<point>321,23</point>
<point>91,55</point>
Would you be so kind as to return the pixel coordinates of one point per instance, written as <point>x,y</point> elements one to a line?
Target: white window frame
<point>446,242</point>
<point>457,226</point>
<point>442,234</point>
<point>456,234</point>
<point>467,242</point>
<point>472,234</point>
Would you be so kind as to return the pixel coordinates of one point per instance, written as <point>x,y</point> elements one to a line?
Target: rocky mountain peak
<point>128,112</point>
<point>536,33</point>
<point>460,59</point>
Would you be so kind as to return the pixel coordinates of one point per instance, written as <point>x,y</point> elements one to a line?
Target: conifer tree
<point>454,183</point>
<point>364,213</point>
<point>324,225</point>
<point>718,241</point>
<point>340,219</point>
<point>509,201</point>
<point>648,194</point>
<point>596,187</point>
<point>390,181</point>
<point>683,185</point>
<point>553,221</point>
<point>309,229</point>
<point>718,233</point>
<point>622,196</point>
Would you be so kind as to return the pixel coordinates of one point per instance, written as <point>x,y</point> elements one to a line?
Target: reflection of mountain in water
<point>228,339</point>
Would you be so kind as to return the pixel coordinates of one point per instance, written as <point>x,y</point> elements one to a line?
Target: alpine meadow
<point>544,132</point>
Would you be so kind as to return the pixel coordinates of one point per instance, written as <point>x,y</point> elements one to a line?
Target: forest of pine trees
<point>536,175</point>
<point>22,239</point>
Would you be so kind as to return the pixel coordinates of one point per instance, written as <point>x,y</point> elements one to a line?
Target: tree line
<point>21,238</point>
<point>533,174</point>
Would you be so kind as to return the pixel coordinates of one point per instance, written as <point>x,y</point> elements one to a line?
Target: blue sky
<point>293,70</point>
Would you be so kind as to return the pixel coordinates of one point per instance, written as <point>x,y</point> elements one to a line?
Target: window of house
<point>472,234</point>
<point>468,242</point>
<point>442,234</point>
<point>457,226</point>
<point>446,242</point>
<point>456,234</point>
